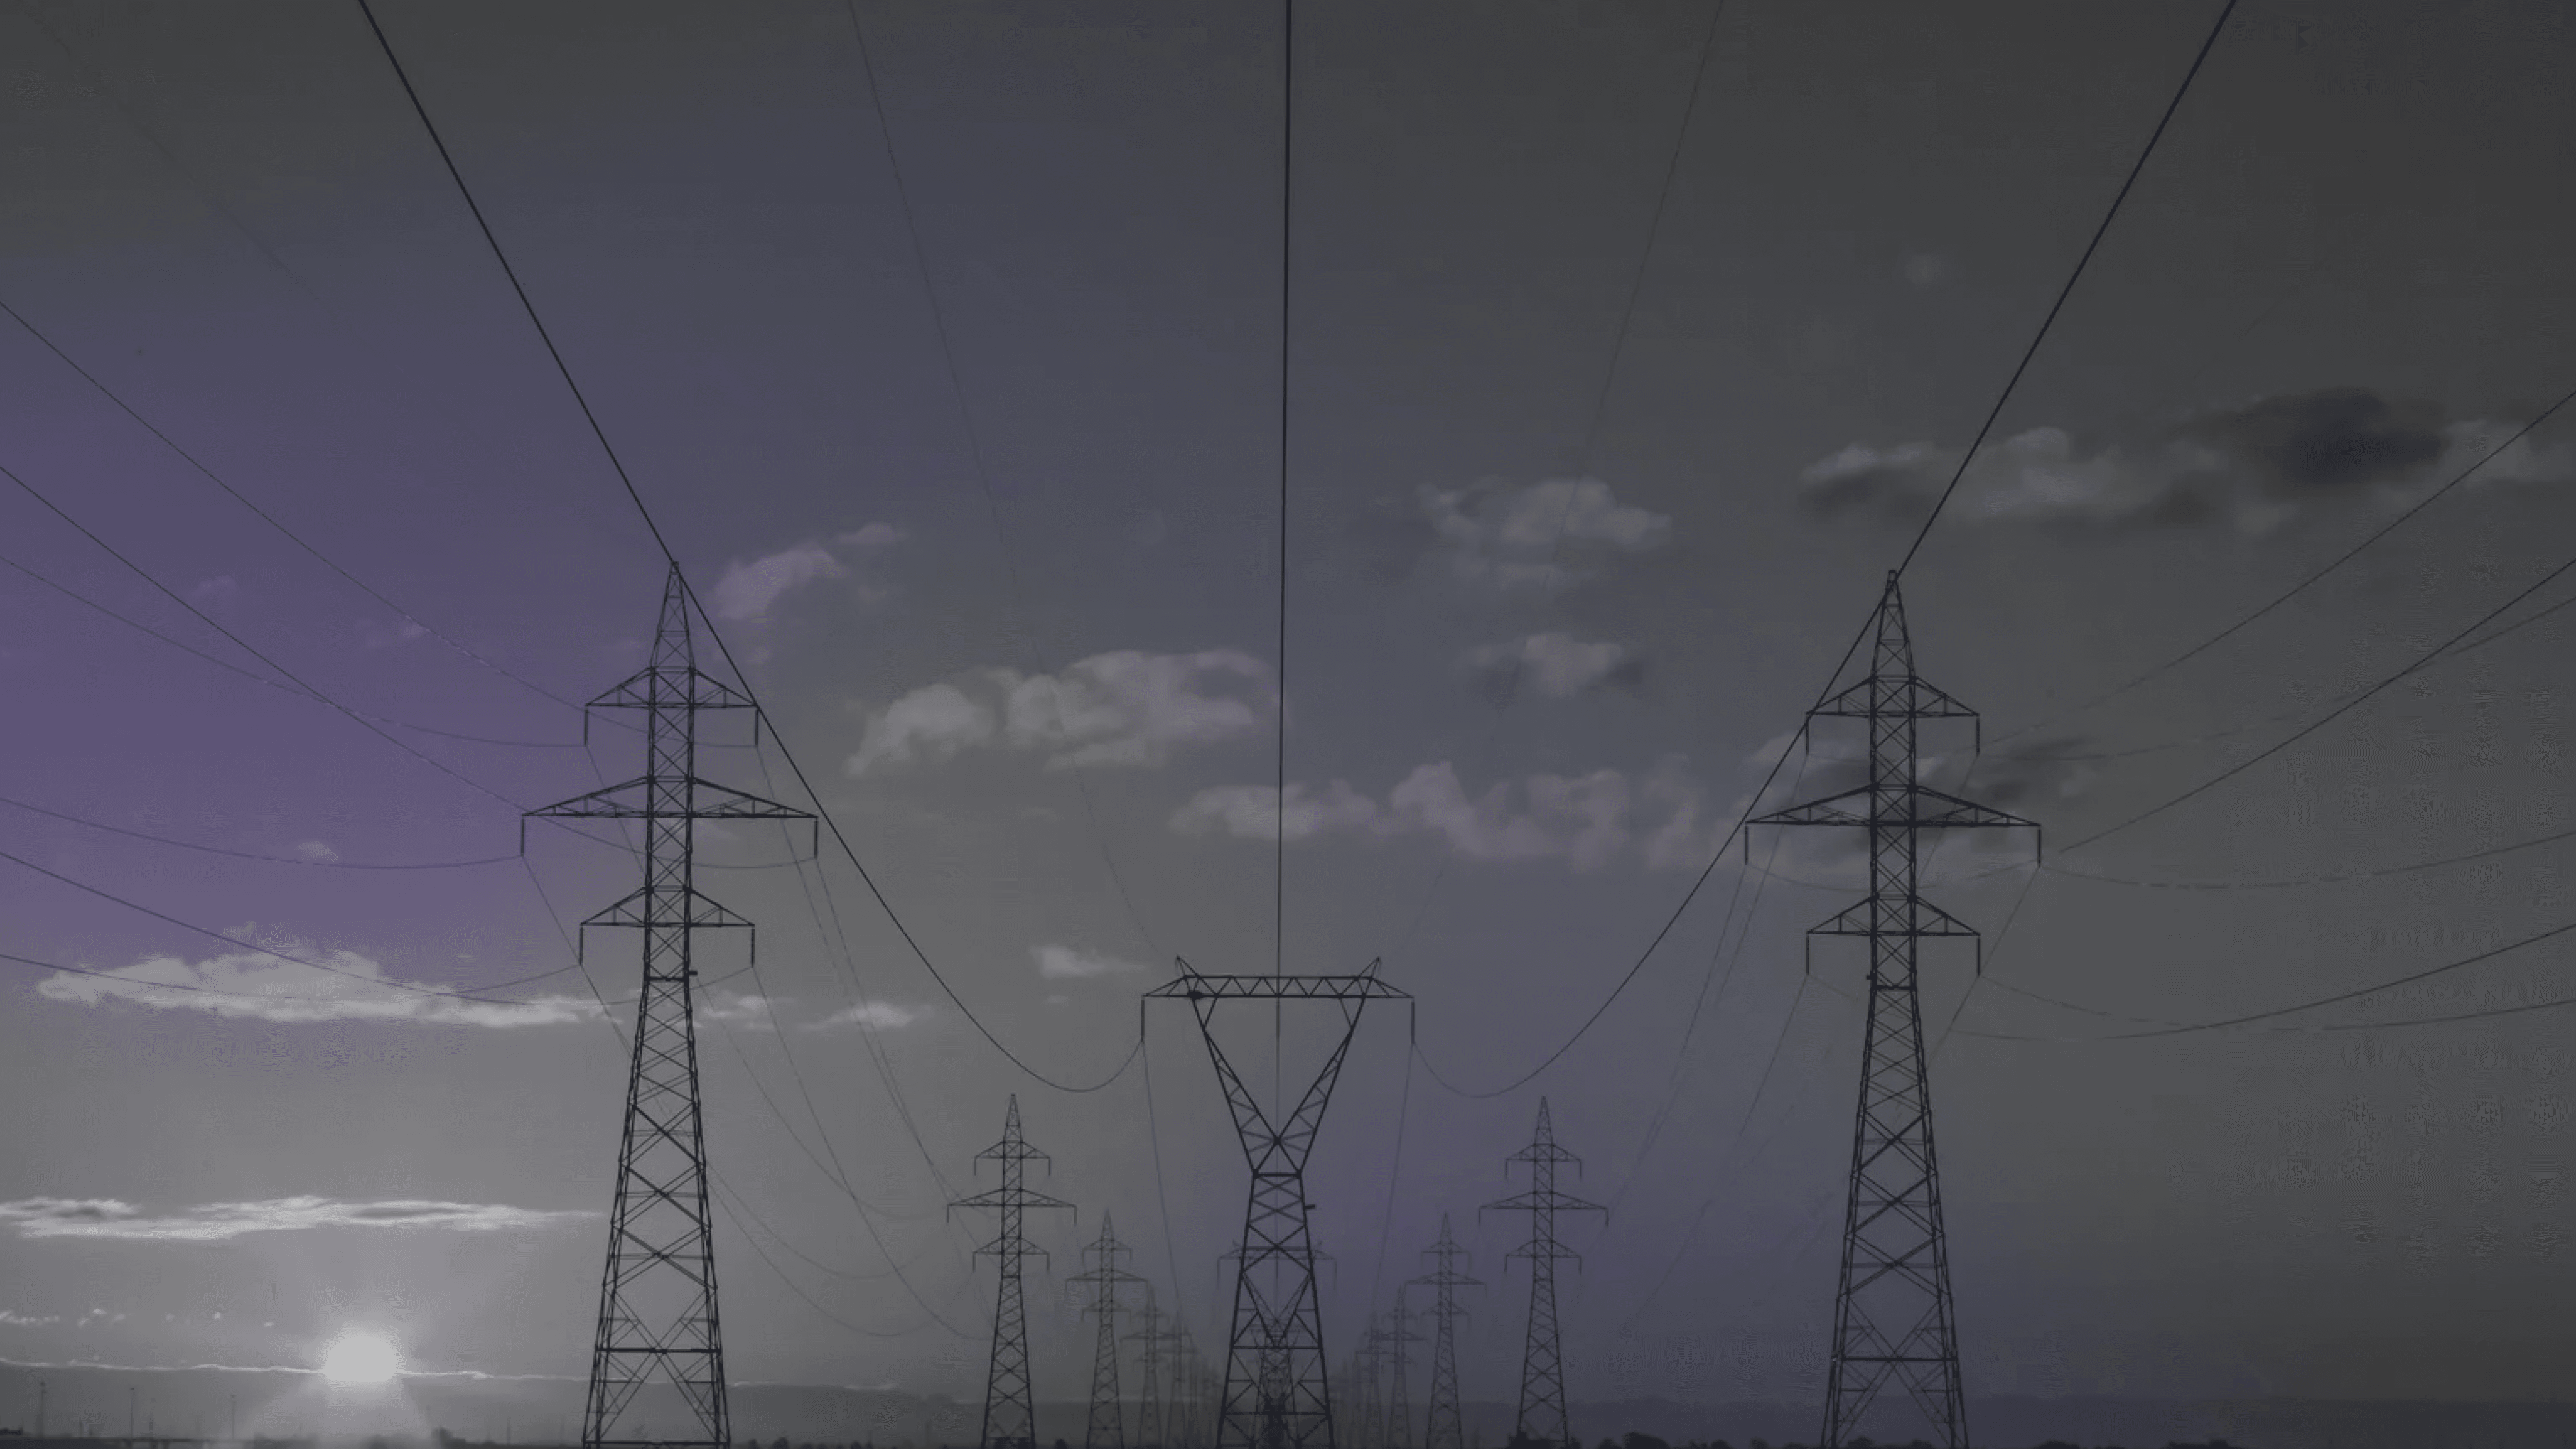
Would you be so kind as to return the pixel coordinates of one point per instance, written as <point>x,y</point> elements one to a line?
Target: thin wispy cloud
<point>1541,536</point>
<point>1553,665</point>
<point>59,1217</point>
<point>1064,963</point>
<point>747,588</point>
<point>872,1016</point>
<point>2253,469</point>
<point>244,986</point>
<point>1125,708</point>
<point>1580,819</point>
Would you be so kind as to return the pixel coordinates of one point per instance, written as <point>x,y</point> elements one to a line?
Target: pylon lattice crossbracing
<point>1149,1362</point>
<point>1541,1419</point>
<point>1444,1428</point>
<point>1276,1395</point>
<point>1893,1315</point>
<point>657,1297</point>
<point>1399,1409</point>
<point>1104,1430</point>
<point>1009,1420</point>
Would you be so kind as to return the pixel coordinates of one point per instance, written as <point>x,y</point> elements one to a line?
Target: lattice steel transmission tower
<point>1399,1408</point>
<point>1443,1429</point>
<point>1104,1431</point>
<point>1368,1426</point>
<point>657,1296</point>
<point>1275,1394</point>
<point>1149,1361</point>
<point>1892,1308</point>
<point>1009,1421</point>
<point>1541,1419</point>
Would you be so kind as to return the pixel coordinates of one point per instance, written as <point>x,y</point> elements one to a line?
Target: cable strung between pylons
<point>1983,431</point>
<point>662,543</point>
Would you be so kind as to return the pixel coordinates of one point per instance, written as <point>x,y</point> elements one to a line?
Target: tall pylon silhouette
<point>1104,1431</point>
<point>1368,1425</point>
<point>1541,1419</point>
<point>1893,1316</point>
<point>1149,1362</point>
<point>1276,1393</point>
<point>657,1295</point>
<point>1444,1429</point>
<point>1009,1421</point>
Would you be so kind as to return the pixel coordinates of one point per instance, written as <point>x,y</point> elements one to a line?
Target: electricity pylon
<point>1367,1426</point>
<point>1542,1412</point>
<point>1399,1409</point>
<point>657,1295</point>
<point>1104,1430</point>
<point>1009,1422</point>
<point>1443,1429</point>
<point>1892,1307</point>
<point>1149,1360</point>
<point>1276,1395</point>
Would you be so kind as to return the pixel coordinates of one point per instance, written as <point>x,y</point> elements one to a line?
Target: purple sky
<point>2340,282</point>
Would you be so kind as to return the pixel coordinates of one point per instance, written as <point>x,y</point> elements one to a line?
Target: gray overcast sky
<point>1041,702</point>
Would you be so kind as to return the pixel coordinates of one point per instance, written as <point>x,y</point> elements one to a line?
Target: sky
<point>983,496</point>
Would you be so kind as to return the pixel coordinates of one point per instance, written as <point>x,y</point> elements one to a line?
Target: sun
<point>358,1358</point>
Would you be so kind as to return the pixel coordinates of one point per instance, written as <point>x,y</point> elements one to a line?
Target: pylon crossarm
<point>696,689</point>
<point>1195,986</point>
<point>1910,696</point>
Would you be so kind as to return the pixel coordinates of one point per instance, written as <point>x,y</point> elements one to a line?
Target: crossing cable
<point>1592,429</point>
<point>254,855</point>
<point>258,678</point>
<point>323,966</point>
<point>2229,8</point>
<point>983,473</point>
<point>555,918</point>
<point>2363,697</point>
<point>270,519</point>
<point>2306,583</point>
<point>662,543</point>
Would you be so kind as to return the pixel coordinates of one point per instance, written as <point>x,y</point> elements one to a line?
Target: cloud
<point>56,1217</point>
<point>1123,708</point>
<point>12,1319</point>
<point>752,1012</point>
<point>747,590</point>
<point>1539,536</point>
<point>872,1016</point>
<point>316,850</point>
<point>282,991</point>
<point>2255,468</point>
<point>933,722</point>
<point>1557,665</point>
<point>1581,818</point>
<point>1060,963</point>
<point>1252,812</point>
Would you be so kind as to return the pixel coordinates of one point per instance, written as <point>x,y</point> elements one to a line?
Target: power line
<point>983,474</point>
<point>254,855</point>
<point>2355,994</point>
<point>1592,428</point>
<point>2304,584</point>
<point>661,542</point>
<point>230,940</point>
<point>2338,712</point>
<point>1864,631</point>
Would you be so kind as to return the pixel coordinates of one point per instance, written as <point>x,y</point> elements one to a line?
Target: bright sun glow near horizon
<point>359,1358</point>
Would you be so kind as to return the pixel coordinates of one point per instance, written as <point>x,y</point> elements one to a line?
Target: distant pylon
<point>1444,1430</point>
<point>1541,1419</point>
<point>1149,1360</point>
<point>1276,1395</point>
<point>1009,1421</point>
<point>657,1295</point>
<point>1399,1409</point>
<point>1892,1307</point>
<point>1367,1365</point>
<point>1104,1430</point>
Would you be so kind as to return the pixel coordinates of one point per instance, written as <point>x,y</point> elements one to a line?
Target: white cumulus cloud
<point>873,1016</point>
<point>1536,536</point>
<point>1582,819</point>
<point>268,989</point>
<point>58,1217</point>
<point>1555,664</point>
<point>1122,708</point>
<point>747,589</point>
<point>1059,963</point>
